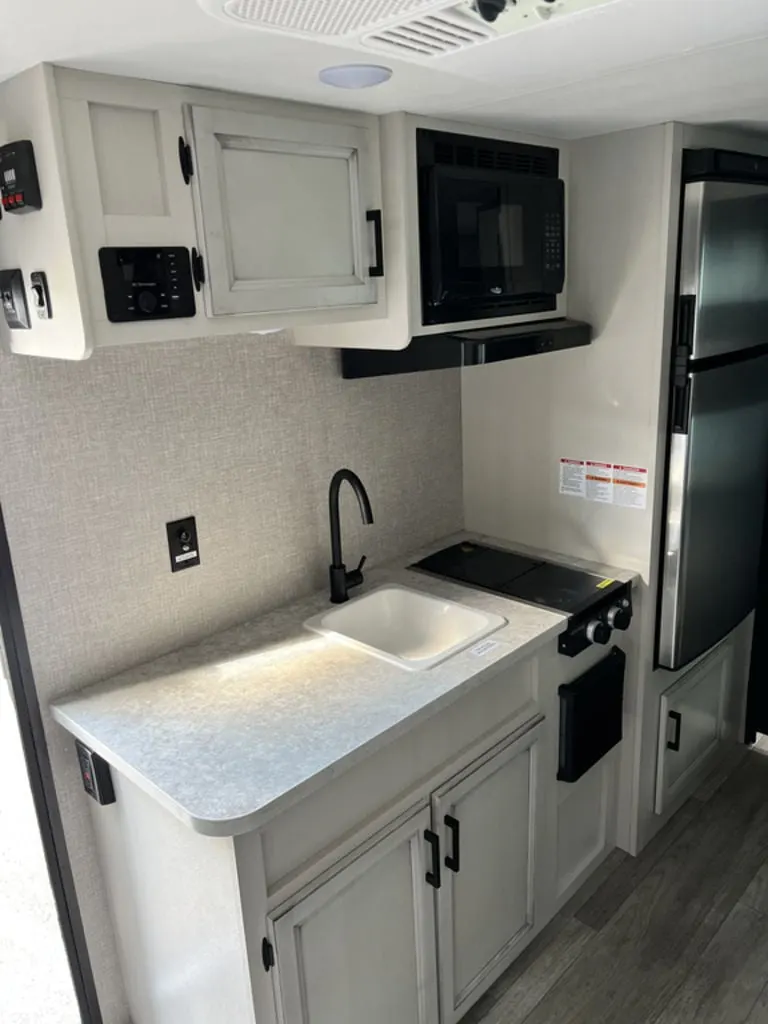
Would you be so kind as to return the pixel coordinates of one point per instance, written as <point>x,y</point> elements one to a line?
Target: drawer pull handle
<point>374,217</point>
<point>433,876</point>
<point>677,718</point>
<point>453,861</point>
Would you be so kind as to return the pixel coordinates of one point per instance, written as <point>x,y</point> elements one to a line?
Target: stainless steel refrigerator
<point>718,444</point>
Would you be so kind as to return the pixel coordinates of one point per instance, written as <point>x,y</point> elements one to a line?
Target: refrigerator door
<point>714,519</point>
<point>724,264</point>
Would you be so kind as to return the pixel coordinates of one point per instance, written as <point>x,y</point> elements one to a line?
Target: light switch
<point>14,300</point>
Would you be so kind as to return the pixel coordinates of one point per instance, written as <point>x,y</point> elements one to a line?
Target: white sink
<point>406,627</point>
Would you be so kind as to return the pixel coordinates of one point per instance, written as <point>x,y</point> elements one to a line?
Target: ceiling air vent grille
<point>324,17</point>
<point>433,35</point>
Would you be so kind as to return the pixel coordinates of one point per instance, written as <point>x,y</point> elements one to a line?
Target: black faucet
<point>341,580</point>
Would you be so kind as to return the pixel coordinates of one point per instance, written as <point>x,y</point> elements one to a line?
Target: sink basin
<point>403,626</point>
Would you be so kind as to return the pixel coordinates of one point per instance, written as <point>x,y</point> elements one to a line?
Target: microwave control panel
<point>554,242</point>
<point>147,283</point>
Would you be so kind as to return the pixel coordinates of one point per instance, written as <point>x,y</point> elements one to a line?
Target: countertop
<point>230,732</point>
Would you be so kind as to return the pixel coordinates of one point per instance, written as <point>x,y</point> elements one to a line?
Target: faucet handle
<point>355,578</point>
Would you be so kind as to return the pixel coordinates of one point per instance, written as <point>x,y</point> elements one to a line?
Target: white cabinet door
<point>487,818</point>
<point>283,206</point>
<point>361,947</point>
<point>691,723</point>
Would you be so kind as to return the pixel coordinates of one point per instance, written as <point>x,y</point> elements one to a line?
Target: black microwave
<point>491,227</point>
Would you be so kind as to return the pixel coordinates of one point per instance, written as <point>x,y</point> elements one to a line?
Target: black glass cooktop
<point>526,579</point>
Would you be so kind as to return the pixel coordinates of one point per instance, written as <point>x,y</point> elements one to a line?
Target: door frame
<point>34,746</point>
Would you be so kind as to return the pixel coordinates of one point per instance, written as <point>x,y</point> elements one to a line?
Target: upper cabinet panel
<point>283,211</point>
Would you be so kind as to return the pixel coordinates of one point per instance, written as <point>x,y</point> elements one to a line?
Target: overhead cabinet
<point>174,212</point>
<point>282,207</point>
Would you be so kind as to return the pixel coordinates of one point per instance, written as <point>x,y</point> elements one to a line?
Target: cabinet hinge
<point>198,269</point>
<point>185,160</point>
<point>267,954</point>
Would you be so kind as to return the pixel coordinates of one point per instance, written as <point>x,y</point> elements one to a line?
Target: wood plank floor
<point>678,935</point>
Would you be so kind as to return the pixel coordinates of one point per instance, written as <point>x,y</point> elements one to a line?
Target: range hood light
<point>355,76</point>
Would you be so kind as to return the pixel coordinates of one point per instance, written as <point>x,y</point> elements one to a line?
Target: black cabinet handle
<point>677,718</point>
<point>374,217</point>
<point>433,876</point>
<point>453,862</point>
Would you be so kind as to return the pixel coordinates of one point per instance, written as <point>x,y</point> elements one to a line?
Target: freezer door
<point>714,519</point>
<point>724,264</point>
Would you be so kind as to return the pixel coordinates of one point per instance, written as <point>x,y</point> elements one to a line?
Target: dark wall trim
<point>41,782</point>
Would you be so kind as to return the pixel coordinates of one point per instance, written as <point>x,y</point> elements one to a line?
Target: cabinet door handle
<point>433,876</point>
<point>374,217</point>
<point>453,861</point>
<point>677,718</point>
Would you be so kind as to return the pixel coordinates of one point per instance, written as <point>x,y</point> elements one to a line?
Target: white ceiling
<point>629,63</point>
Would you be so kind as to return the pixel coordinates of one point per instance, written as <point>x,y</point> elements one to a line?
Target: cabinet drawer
<point>690,725</point>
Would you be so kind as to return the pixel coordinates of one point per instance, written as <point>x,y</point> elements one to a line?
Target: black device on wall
<point>14,299</point>
<point>491,227</point>
<point>147,283</point>
<point>19,183</point>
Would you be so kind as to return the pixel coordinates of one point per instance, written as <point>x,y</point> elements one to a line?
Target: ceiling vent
<point>432,35</point>
<point>417,30</point>
<point>320,18</point>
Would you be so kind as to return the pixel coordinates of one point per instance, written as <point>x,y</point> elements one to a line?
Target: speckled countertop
<point>229,732</point>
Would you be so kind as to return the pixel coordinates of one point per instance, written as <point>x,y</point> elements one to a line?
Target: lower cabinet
<point>485,907</point>
<point>443,902</point>
<point>691,724</point>
<point>361,947</point>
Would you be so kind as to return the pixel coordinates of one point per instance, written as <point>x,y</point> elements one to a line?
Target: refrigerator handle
<point>681,381</point>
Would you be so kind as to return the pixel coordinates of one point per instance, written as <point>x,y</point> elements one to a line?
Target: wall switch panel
<point>41,297</point>
<point>95,773</point>
<point>19,183</point>
<point>182,544</point>
<point>14,300</point>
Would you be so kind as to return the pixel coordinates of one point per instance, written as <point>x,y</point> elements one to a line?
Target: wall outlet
<point>182,544</point>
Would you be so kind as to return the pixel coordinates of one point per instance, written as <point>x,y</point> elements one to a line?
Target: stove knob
<point>598,632</point>
<point>619,615</point>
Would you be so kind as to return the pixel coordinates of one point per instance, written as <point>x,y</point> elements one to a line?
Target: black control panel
<point>19,184</point>
<point>596,623</point>
<point>147,283</point>
<point>14,299</point>
<point>94,771</point>
<point>554,242</point>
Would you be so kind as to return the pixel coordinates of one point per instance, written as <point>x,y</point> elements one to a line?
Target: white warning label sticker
<point>573,474</point>
<point>630,486</point>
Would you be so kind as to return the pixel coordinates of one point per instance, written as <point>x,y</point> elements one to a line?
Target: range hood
<point>467,348</point>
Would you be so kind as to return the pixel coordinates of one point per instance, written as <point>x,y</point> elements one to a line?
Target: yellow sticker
<point>604,583</point>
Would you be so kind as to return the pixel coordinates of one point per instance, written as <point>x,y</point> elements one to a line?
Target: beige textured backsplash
<point>244,433</point>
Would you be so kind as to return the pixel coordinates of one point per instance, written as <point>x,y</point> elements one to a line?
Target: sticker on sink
<point>484,647</point>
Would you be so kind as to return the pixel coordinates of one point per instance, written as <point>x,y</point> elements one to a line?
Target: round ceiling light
<point>355,76</point>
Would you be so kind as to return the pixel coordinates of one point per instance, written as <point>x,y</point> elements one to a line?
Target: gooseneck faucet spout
<point>341,580</point>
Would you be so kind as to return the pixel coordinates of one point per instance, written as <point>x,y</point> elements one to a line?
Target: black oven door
<point>492,243</point>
